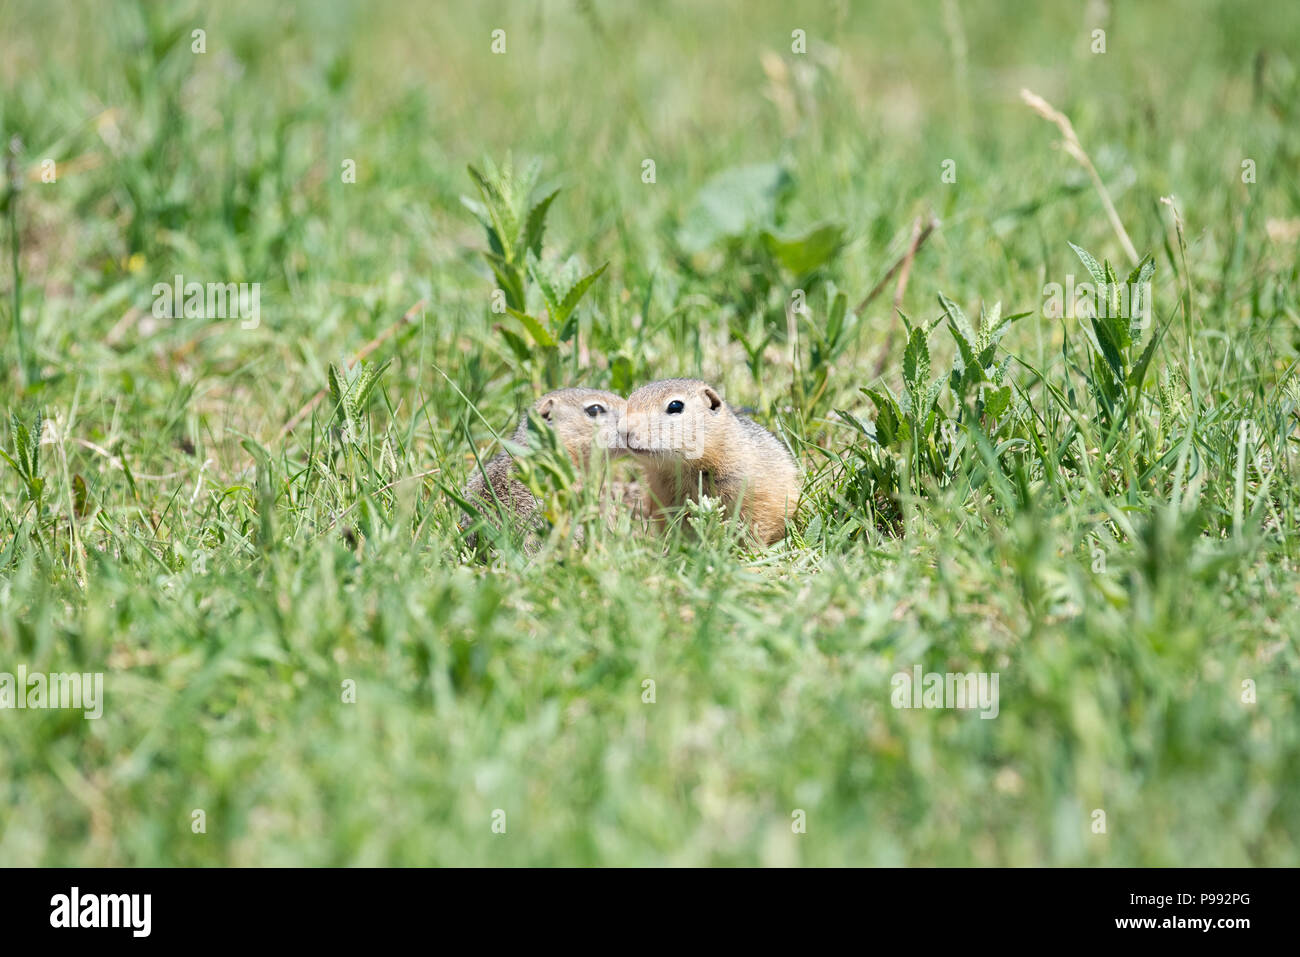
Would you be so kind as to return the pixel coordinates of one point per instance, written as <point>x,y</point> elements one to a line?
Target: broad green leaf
<point>575,294</point>
<point>888,417</point>
<point>503,217</point>
<point>996,401</point>
<point>569,328</point>
<point>808,252</point>
<point>549,295</point>
<point>536,224</point>
<point>961,325</point>
<point>1140,368</point>
<point>932,393</point>
<point>1093,267</point>
<point>916,361</point>
<point>857,423</point>
<point>485,219</point>
<point>541,335</point>
<point>1108,347</point>
<point>509,279</point>
<point>963,335</point>
<point>733,203</point>
<point>516,343</point>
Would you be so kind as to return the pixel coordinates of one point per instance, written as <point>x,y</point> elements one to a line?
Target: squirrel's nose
<point>628,432</point>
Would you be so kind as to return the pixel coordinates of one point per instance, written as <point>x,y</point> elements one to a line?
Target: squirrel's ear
<point>544,407</point>
<point>712,397</point>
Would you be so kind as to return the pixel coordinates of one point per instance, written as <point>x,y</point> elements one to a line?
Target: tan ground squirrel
<point>688,441</point>
<point>583,419</point>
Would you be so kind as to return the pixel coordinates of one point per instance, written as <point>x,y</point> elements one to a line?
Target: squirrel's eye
<point>595,409</point>
<point>676,406</point>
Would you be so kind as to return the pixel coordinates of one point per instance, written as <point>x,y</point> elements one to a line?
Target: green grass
<point>1115,546</point>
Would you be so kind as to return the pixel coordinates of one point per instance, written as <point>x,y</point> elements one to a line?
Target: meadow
<point>858,220</point>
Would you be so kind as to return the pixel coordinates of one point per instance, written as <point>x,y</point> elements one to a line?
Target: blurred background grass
<point>226,613</point>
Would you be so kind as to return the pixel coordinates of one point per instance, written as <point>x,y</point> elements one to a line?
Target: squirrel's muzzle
<point>650,433</point>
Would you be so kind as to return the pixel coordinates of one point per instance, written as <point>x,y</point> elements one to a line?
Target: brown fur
<point>578,432</point>
<point>709,447</point>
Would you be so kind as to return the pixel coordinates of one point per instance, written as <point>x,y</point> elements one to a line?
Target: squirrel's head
<point>583,419</point>
<point>673,419</point>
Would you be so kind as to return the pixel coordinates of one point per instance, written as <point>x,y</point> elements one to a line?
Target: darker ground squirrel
<point>583,419</point>
<point>688,441</point>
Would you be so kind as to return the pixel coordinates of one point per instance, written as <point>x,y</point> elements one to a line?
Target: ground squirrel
<point>583,419</point>
<point>688,440</point>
